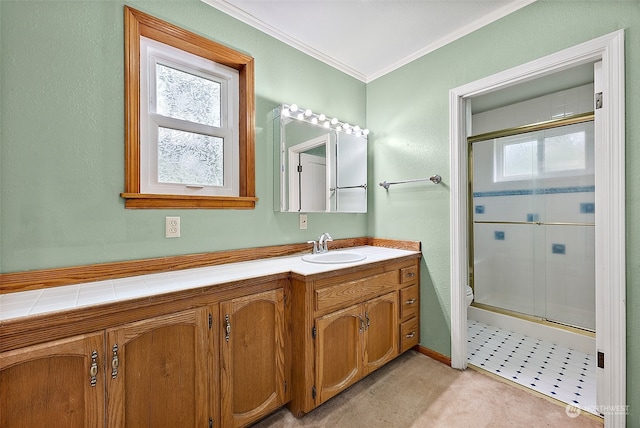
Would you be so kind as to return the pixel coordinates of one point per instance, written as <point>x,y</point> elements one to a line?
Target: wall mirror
<point>321,163</point>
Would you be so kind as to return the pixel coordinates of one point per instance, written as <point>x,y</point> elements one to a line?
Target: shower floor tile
<point>553,370</point>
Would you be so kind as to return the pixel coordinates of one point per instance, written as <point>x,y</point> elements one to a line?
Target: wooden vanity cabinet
<point>158,371</point>
<point>171,366</point>
<point>255,363</point>
<point>225,355</point>
<point>54,384</point>
<point>345,326</point>
<point>381,332</point>
<point>353,342</point>
<point>409,308</point>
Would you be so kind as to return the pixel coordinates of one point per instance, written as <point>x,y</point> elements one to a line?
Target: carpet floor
<point>417,391</point>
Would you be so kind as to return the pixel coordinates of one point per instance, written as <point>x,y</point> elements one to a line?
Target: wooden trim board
<point>45,278</point>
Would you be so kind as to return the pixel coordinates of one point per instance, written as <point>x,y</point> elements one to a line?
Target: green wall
<point>62,136</point>
<point>408,114</point>
<point>62,146</point>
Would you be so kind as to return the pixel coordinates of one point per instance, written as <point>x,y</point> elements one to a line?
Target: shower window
<point>543,154</point>
<point>565,152</point>
<point>515,159</point>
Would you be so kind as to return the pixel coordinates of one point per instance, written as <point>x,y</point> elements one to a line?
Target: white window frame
<point>540,138</point>
<point>153,52</point>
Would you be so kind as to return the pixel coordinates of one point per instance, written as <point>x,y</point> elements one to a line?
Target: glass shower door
<point>569,206</point>
<point>533,224</point>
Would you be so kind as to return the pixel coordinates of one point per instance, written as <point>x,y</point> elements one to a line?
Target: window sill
<point>151,201</point>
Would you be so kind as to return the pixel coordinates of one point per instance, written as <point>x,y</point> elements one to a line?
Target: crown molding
<point>452,37</point>
<point>228,8</point>
<point>241,15</point>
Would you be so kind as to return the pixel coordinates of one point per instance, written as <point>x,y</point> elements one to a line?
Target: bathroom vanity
<point>345,325</point>
<point>214,346</point>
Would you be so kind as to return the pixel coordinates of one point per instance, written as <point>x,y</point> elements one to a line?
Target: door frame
<point>609,199</point>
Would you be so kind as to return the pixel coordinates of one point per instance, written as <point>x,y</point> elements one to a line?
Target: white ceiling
<point>367,38</point>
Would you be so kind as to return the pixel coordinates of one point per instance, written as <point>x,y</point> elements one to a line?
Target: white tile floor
<point>553,370</point>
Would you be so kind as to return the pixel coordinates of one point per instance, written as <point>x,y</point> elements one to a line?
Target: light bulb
<point>326,124</point>
<point>314,120</point>
<point>294,107</point>
<point>334,121</point>
<point>286,112</point>
<point>349,130</point>
<point>365,132</point>
<point>356,128</point>
<point>345,126</point>
<point>307,112</point>
<point>322,117</point>
<point>300,116</point>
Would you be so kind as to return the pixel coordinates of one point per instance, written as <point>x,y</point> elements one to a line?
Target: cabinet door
<point>52,384</point>
<point>253,357</point>
<point>338,351</point>
<point>157,372</point>
<point>381,327</point>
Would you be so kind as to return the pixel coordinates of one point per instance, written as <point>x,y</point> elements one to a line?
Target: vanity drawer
<point>409,334</point>
<point>409,302</point>
<point>408,274</point>
<point>339,295</point>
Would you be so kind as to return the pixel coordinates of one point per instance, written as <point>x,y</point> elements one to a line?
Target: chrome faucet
<point>320,246</point>
<point>315,246</point>
<point>322,242</point>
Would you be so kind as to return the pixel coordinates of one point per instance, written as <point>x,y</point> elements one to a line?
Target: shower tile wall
<point>564,103</point>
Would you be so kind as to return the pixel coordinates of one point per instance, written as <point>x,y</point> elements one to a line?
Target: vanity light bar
<point>293,111</point>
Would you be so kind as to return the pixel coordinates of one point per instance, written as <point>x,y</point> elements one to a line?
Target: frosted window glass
<point>519,158</point>
<point>565,152</point>
<point>190,158</point>
<point>185,96</point>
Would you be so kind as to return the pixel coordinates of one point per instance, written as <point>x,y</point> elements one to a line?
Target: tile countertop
<point>33,302</point>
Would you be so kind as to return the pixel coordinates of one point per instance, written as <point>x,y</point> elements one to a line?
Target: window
<point>559,152</point>
<point>189,119</point>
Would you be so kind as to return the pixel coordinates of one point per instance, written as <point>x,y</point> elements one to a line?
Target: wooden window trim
<point>138,24</point>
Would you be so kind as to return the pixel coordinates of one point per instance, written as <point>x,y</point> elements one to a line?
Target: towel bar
<point>434,178</point>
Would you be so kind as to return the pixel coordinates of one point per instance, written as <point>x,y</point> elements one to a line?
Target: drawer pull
<point>93,370</point>
<point>410,274</point>
<point>410,302</point>
<point>227,328</point>
<point>411,335</point>
<point>115,362</point>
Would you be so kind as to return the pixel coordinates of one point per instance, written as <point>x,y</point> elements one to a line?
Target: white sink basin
<point>334,257</point>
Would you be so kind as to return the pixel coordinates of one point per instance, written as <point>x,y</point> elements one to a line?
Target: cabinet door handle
<point>227,324</point>
<point>410,302</point>
<point>361,323</point>
<point>115,362</point>
<point>410,335</point>
<point>93,370</point>
<point>366,316</point>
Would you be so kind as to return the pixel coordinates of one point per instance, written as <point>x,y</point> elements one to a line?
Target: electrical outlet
<point>303,222</point>
<point>172,227</point>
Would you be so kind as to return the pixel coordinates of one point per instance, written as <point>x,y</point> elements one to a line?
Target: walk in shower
<point>532,221</point>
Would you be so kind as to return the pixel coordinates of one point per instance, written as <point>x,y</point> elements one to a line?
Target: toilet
<point>469,296</point>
